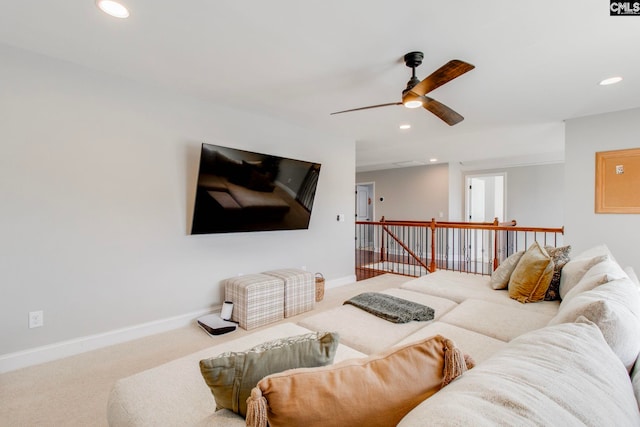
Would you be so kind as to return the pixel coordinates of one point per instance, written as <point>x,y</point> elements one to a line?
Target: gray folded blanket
<point>393,309</point>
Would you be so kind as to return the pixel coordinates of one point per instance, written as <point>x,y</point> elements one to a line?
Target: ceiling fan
<point>414,95</point>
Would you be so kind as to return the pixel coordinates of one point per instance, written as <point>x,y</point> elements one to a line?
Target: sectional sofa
<point>567,361</point>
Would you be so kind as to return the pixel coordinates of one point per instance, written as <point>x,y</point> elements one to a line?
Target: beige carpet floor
<point>74,391</point>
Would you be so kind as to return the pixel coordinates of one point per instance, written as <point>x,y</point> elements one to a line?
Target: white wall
<point>584,228</point>
<point>456,192</point>
<point>417,193</point>
<point>535,195</point>
<point>97,179</point>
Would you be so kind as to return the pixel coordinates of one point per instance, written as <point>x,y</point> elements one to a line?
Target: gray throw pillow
<point>232,375</point>
<point>560,257</point>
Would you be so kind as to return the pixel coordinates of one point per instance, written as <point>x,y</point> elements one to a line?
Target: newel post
<point>432,265</point>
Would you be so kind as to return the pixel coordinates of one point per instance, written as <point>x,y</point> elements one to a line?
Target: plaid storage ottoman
<point>299,290</point>
<point>258,299</point>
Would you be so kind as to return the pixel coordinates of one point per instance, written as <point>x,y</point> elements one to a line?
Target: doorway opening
<point>485,197</point>
<point>365,212</point>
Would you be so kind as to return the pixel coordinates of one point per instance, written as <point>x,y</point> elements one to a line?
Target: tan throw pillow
<point>374,391</point>
<point>501,275</point>
<point>531,278</point>
<point>560,257</point>
<point>232,375</point>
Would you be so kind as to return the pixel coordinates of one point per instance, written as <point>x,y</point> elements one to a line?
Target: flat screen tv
<point>241,191</point>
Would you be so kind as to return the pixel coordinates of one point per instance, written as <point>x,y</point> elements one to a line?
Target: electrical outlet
<point>36,319</point>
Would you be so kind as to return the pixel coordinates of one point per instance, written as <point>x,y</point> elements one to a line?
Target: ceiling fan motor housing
<point>412,60</point>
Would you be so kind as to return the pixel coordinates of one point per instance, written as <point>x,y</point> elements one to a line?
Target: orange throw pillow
<point>374,391</point>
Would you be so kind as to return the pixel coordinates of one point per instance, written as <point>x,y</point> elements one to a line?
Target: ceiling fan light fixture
<point>411,100</point>
<point>413,104</point>
<point>611,81</point>
<point>113,8</point>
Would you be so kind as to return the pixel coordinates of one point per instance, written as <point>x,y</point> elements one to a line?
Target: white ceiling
<point>537,64</point>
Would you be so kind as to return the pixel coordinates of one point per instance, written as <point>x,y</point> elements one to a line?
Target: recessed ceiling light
<point>405,126</point>
<point>409,163</point>
<point>113,8</point>
<point>610,81</point>
<point>433,159</point>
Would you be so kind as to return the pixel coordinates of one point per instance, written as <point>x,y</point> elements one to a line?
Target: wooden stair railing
<point>439,236</point>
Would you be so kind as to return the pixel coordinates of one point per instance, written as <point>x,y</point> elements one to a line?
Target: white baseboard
<point>334,283</point>
<point>47,353</point>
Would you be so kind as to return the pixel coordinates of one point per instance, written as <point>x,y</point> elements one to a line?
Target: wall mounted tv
<point>241,191</point>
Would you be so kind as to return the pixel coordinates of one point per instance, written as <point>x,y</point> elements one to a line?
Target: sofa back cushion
<point>531,277</point>
<point>579,264</point>
<point>615,308</point>
<point>600,273</point>
<point>563,375</point>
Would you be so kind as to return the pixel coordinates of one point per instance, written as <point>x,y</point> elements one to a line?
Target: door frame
<point>372,186</point>
<point>467,193</point>
<point>369,238</point>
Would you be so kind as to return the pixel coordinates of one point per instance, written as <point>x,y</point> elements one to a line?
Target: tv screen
<point>241,190</point>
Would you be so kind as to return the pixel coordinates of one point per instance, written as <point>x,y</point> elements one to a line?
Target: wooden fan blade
<point>366,108</point>
<point>446,73</point>
<point>445,113</point>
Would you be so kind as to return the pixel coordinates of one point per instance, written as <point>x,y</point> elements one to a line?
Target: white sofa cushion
<point>495,320</point>
<point>599,274</point>
<point>459,287</point>
<point>615,308</point>
<point>480,347</point>
<point>175,393</point>
<point>573,271</point>
<point>563,375</point>
<point>370,334</point>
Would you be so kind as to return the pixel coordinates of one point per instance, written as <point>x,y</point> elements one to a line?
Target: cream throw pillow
<point>531,277</point>
<point>501,275</point>
<point>376,391</point>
